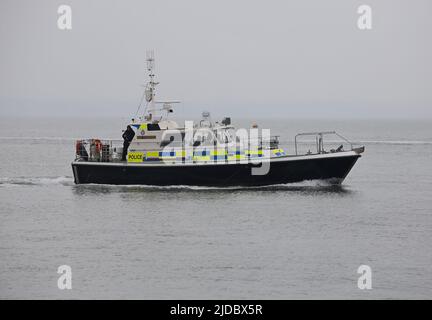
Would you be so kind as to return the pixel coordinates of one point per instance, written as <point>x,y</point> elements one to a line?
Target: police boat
<point>157,151</point>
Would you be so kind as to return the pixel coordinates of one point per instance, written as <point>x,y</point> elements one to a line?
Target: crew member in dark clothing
<point>127,137</point>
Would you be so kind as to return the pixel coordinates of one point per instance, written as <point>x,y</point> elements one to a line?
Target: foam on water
<point>69,181</point>
<point>32,181</point>
<point>309,184</point>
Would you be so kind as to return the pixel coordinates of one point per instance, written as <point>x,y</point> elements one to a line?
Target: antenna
<point>150,62</point>
<point>150,88</point>
<point>151,109</point>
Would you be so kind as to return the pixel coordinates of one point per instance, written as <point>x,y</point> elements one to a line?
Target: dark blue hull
<point>287,170</point>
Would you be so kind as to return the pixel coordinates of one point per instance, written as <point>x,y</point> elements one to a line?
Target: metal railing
<point>98,150</point>
<point>319,140</point>
<point>103,150</point>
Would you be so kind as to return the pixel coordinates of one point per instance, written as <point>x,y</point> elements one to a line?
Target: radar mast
<point>152,112</point>
<point>150,86</point>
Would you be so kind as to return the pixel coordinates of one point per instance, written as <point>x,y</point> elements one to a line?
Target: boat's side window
<point>171,139</point>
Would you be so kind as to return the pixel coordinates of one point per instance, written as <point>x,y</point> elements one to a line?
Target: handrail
<point>96,149</point>
<point>319,139</point>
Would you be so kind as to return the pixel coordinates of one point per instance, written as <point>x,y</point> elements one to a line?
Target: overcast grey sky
<point>297,58</point>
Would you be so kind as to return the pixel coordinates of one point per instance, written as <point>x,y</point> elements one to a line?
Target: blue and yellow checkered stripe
<point>202,155</point>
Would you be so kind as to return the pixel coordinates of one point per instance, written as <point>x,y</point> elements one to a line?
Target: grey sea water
<point>297,241</point>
